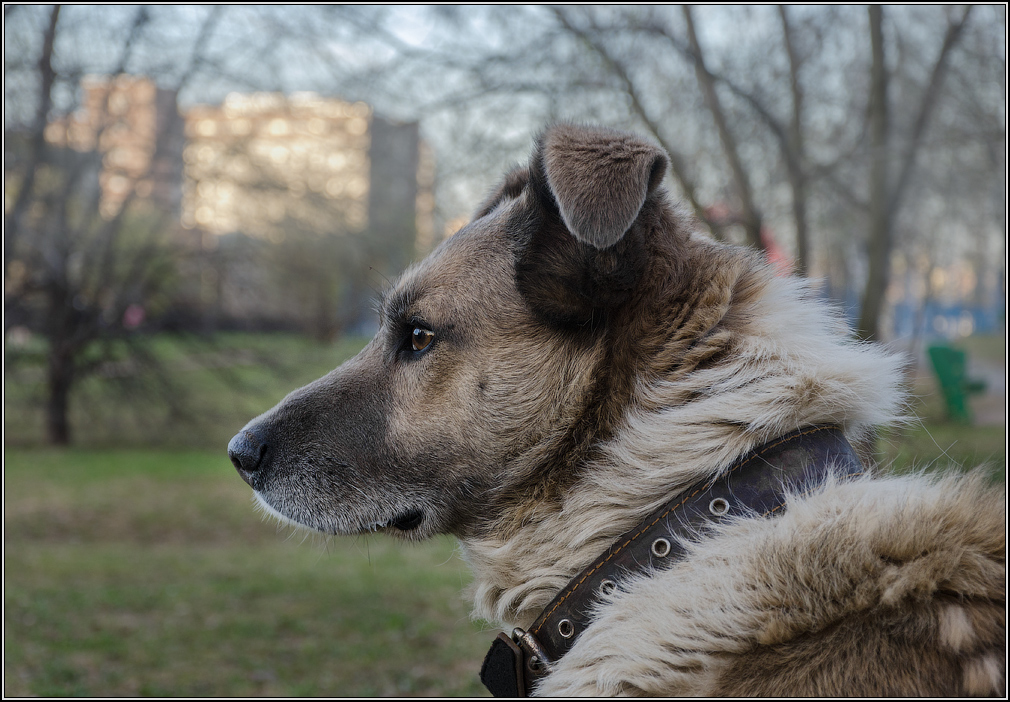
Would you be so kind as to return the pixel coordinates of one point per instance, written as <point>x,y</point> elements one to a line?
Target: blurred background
<point>201,205</point>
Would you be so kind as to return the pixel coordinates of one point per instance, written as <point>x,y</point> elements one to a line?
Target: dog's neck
<point>756,484</point>
<point>790,368</point>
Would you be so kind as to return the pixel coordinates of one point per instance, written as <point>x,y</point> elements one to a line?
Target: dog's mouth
<point>407,521</point>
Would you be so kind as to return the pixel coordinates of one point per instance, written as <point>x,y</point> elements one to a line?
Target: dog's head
<point>483,392</point>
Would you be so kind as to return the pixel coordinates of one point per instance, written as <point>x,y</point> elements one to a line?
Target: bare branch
<point>926,107</point>
<point>750,217</point>
<point>47,76</point>
<point>677,160</point>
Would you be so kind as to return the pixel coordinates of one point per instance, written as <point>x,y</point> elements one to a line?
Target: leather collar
<point>754,484</point>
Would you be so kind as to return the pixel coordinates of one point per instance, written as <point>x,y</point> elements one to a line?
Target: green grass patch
<point>136,573</point>
<point>931,441</point>
<point>988,347</point>
<point>206,390</point>
<point>941,446</point>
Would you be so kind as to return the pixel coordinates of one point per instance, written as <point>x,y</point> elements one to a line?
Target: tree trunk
<point>885,198</point>
<point>60,380</point>
<point>795,152</point>
<point>881,220</point>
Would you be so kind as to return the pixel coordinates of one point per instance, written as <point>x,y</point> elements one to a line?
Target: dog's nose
<point>247,451</point>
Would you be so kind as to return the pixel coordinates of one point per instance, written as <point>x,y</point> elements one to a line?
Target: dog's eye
<point>421,338</point>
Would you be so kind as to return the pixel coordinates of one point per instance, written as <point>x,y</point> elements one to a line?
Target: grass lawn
<point>930,441</point>
<point>937,446</point>
<point>149,573</point>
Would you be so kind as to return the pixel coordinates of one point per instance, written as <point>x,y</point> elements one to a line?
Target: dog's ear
<point>584,231</point>
<point>600,179</point>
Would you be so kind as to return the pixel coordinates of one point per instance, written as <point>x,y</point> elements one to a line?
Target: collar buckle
<point>537,662</point>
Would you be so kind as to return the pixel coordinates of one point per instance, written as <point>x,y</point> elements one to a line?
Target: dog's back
<point>872,587</point>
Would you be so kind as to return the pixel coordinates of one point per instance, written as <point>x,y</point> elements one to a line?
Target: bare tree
<point>795,150</point>
<point>88,246</point>
<point>37,142</point>
<point>889,184</point>
<point>774,120</point>
<point>678,161</point>
<point>834,152</point>
<point>750,217</point>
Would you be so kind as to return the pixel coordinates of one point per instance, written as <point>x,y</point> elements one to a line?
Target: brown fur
<point>924,631</point>
<point>587,358</point>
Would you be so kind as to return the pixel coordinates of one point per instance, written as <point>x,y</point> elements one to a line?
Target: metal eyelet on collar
<point>607,587</point>
<point>719,506</point>
<point>566,628</point>
<point>660,548</point>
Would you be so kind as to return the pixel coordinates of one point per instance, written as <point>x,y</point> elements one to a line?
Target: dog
<point>575,359</point>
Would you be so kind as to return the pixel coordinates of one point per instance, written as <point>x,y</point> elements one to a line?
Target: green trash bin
<point>950,365</point>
